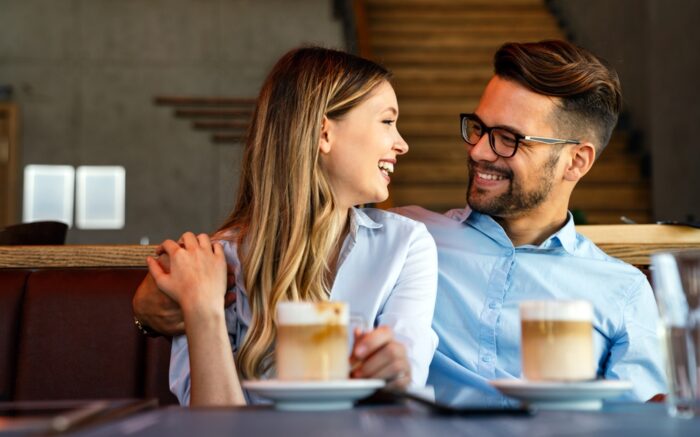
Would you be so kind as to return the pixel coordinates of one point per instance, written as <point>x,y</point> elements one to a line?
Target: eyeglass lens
<point>502,141</point>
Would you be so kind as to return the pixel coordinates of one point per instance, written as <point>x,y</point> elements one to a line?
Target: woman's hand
<point>376,354</point>
<point>197,273</point>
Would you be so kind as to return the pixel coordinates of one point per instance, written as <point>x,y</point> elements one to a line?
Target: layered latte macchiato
<point>312,341</point>
<point>557,340</point>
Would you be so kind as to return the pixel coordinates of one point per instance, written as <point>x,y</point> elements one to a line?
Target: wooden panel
<point>634,243</point>
<point>74,256</point>
<point>9,163</point>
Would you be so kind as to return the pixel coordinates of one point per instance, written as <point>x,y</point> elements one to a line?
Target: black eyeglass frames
<point>503,142</point>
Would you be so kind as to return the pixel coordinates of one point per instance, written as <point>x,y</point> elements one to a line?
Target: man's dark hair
<point>589,89</point>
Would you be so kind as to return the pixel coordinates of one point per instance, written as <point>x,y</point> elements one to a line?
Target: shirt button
<point>486,358</point>
<point>493,305</point>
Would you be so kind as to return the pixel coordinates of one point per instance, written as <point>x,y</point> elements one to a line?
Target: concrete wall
<point>654,46</point>
<point>85,73</point>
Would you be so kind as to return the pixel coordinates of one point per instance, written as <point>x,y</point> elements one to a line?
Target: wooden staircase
<point>441,52</point>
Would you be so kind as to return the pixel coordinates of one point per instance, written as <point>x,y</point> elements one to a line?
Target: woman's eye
<point>389,122</point>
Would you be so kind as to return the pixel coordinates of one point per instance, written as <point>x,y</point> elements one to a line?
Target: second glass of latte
<point>557,340</point>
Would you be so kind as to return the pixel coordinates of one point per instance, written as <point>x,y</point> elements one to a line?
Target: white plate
<point>314,395</point>
<point>586,395</point>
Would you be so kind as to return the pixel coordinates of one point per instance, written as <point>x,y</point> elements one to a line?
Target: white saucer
<point>314,395</point>
<point>586,395</point>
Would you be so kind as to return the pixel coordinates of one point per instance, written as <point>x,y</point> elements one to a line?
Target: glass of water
<point>676,278</point>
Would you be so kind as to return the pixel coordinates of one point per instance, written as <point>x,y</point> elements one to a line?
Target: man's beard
<point>516,200</point>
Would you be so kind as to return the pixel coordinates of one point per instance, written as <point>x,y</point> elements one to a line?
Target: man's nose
<point>482,151</point>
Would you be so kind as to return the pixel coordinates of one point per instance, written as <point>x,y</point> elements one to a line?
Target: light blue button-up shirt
<point>483,278</point>
<point>387,273</point>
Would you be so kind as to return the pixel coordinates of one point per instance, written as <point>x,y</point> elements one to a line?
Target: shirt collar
<point>564,237</point>
<point>360,218</point>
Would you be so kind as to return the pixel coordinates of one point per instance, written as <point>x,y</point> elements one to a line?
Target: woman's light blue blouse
<point>387,273</point>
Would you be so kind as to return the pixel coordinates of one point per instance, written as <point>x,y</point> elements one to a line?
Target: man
<point>542,120</point>
<point>546,114</point>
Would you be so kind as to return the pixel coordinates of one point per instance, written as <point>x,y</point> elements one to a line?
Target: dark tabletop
<point>386,421</point>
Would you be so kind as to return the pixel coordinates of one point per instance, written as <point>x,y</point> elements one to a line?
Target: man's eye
<point>507,139</point>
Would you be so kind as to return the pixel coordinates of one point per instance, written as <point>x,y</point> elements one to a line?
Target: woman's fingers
<point>386,362</point>
<point>377,355</point>
<point>156,270</point>
<point>204,241</point>
<point>190,241</point>
<point>170,247</point>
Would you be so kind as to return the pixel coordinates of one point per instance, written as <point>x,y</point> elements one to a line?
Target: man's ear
<point>581,160</point>
<point>324,140</point>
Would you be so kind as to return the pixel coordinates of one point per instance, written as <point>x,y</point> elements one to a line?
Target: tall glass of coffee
<point>557,340</point>
<point>312,341</point>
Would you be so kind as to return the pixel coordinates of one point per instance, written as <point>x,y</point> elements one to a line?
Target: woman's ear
<point>581,160</point>
<point>324,140</point>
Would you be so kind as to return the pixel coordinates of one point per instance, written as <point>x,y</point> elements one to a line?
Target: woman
<point>323,139</point>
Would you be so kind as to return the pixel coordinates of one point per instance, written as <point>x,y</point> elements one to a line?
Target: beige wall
<point>84,74</point>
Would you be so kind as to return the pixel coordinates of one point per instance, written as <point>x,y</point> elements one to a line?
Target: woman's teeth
<point>386,167</point>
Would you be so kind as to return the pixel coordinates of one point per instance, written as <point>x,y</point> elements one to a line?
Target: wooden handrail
<point>74,256</point>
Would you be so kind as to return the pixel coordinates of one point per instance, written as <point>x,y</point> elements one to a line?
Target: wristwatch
<point>145,329</point>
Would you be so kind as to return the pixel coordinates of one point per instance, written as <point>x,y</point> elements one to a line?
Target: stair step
<point>419,89</point>
<point>468,10</point>
<point>409,171</point>
<point>419,30</point>
<point>445,3</point>
<point>450,108</point>
<point>442,74</point>
<point>393,57</point>
<point>483,42</point>
<point>610,198</point>
<point>474,29</point>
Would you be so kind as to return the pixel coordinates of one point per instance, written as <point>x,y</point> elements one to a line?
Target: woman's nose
<point>401,146</point>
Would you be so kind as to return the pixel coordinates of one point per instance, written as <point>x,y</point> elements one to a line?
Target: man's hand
<point>377,355</point>
<point>157,310</point>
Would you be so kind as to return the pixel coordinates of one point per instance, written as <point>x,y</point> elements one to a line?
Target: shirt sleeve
<point>636,353</point>
<point>179,375</point>
<point>410,306</point>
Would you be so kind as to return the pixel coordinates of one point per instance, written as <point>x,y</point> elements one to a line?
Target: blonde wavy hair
<point>285,220</point>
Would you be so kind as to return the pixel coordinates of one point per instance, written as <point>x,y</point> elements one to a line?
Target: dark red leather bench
<point>69,334</point>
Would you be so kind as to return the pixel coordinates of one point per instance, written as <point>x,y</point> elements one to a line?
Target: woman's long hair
<point>285,220</point>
